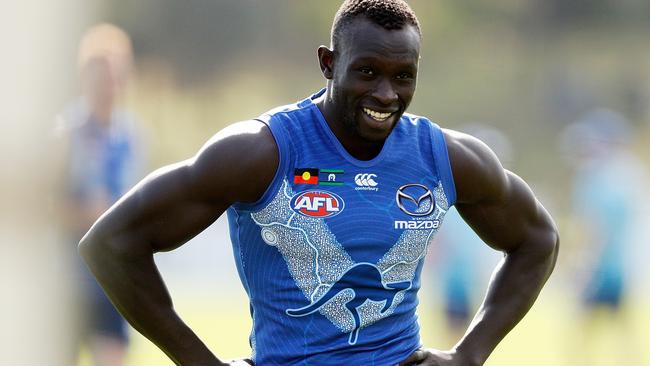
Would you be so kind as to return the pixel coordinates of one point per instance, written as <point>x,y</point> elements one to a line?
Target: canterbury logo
<point>365,180</point>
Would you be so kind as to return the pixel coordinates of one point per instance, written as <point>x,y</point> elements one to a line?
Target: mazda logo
<point>419,195</point>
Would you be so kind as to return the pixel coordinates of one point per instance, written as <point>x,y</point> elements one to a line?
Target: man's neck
<point>102,114</point>
<point>354,144</point>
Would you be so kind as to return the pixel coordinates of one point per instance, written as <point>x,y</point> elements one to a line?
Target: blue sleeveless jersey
<point>331,255</point>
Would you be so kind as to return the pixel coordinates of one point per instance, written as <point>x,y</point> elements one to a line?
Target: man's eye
<point>366,70</point>
<point>405,76</point>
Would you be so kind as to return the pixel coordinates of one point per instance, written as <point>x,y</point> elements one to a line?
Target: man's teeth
<point>376,115</point>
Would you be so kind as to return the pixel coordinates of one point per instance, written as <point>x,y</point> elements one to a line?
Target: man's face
<point>373,78</point>
<point>100,84</point>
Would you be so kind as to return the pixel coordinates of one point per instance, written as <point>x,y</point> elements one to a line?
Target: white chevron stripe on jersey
<point>317,261</point>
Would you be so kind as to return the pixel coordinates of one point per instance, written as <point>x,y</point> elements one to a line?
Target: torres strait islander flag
<point>305,176</point>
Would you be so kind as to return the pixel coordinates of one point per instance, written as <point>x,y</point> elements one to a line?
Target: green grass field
<point>553,333</point>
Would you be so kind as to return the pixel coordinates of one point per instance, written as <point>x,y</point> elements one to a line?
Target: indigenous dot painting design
<point>326,274</point>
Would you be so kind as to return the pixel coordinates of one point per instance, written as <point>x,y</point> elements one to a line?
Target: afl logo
<point>318,204</point>
<point>415,200</point>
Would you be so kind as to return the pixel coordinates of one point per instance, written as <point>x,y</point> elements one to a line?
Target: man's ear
<point>326,61</point>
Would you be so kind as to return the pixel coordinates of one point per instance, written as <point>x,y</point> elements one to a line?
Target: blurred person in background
<point>609,186</point>
<point>102,160</point>
<point>460,262</point>
<point>332,202</point>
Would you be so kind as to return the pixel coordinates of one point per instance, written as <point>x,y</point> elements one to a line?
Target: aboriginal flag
<point>305,176</point>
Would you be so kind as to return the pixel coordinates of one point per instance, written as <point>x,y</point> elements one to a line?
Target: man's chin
<point>374,135</point>
<point>373,130</point>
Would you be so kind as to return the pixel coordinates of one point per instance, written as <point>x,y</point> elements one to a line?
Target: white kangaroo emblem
<point>369,292</point>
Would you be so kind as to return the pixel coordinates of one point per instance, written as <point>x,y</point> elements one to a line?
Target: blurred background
<point>559,89</point>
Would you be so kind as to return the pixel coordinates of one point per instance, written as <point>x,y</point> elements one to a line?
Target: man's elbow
<point>99,246</point>
<point>548,247</point>
<point>103,246</point>
<point>541,248</point>
<point>90,246</point>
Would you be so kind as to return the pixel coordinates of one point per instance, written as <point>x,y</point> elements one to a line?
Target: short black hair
<point>390,14</point>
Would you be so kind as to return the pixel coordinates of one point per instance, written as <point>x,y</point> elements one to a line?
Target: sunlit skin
<point>371,68</point>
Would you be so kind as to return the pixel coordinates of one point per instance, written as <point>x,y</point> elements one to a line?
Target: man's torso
<point>331,254</point>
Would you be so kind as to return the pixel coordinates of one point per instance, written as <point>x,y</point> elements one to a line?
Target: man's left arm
<point>504,212</point>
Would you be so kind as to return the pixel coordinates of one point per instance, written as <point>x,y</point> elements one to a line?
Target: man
<point>101,161</point>
<point>332,202</point>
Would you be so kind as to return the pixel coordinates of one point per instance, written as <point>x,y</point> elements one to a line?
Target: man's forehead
<point>362,36</point>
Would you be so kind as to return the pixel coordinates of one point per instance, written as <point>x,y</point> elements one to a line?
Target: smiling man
<point>330,238</point>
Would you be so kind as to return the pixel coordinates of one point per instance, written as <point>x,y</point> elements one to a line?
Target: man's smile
<point>377,116</point>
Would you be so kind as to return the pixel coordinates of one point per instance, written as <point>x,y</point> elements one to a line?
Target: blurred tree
<point>198,36</point>
<point>201,37</point>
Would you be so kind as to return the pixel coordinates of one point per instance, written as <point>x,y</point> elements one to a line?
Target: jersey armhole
<point>283,162</point>
<point>443,165</point>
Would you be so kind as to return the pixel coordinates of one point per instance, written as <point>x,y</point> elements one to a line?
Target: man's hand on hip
<point>434,357</point>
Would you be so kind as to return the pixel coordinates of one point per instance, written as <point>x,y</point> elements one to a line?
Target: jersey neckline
<point>337,144</point>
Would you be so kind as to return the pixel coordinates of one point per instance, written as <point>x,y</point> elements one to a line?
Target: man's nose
<point>385,92</point>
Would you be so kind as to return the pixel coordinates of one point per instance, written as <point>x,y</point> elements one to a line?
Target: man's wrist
<point>187,349</point>
<point>207,359</point>
<point>469,356</point>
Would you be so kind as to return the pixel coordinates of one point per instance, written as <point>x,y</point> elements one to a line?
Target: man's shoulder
<point>463,145</point>
<point>300,107</point>
<point>413,124</point>
<point>240,159</point>
<point>71,118</point>
<point>240,134</point>
<point>417,119</point>
<point>248,140</point>
<point>472,162</point>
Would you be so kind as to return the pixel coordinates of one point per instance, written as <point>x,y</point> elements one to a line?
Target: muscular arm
<point>161,213</point>
<point>503,211</point>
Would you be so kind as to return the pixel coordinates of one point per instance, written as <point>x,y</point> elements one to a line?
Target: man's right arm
<point>164,211</point>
